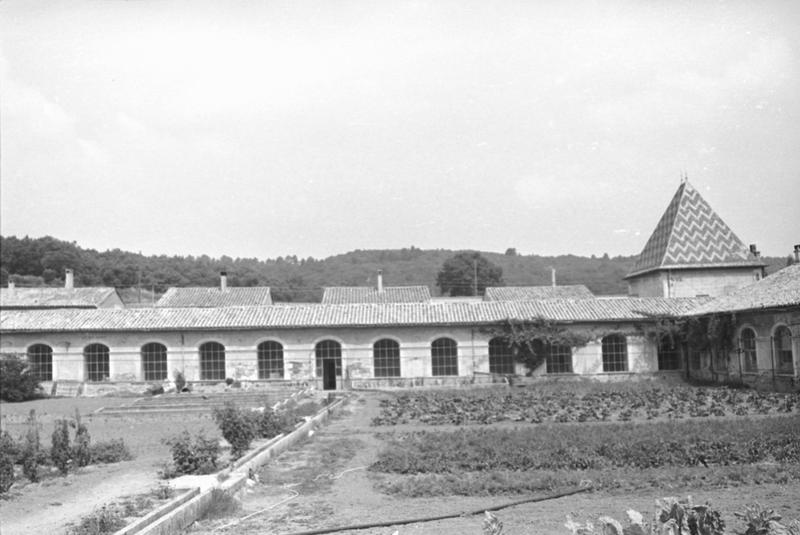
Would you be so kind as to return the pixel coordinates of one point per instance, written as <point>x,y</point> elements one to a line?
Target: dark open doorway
<point>329,363</point>
<point>329,374</point>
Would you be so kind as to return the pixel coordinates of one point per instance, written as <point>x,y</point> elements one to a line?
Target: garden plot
<point>355,472</point>
<point>580,403</point>
<point>56,501</point>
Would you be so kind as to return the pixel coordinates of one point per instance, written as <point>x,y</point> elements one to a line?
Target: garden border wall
<point>182,511</point>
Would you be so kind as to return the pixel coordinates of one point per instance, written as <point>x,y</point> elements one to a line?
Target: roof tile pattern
<point>779,290</point>
<point>691,234</point>
<point>352,315</point>
<point>525,293</point>
<point>216,297</point>
<point>90,297</point>
<point>339,295</point>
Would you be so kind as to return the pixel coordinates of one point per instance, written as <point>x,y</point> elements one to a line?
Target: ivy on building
<point>714,333</point>
<point>530,340</point>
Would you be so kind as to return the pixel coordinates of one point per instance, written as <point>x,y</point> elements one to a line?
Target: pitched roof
<point>524,293</point>
<point>216,297</point>
<point>781,289</point>
<point>90,297</point>
<point>352,315</point>
<point>338,295</point>
<point>691,235</point>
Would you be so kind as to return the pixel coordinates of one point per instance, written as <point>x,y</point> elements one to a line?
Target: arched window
<point>95,358</point>
<point>212,361</point>
<point>154,361</point>
<point>444,357</point>
<point>386,358</point>
<point>784,359</point>
<point>40,360</point>
<point>329,350</point>
<point>559,359</point>
<point>747,347</point>
<point>668,355</point>
<point>501,359</point>
<point>615,353</point>
<point>270,360</point>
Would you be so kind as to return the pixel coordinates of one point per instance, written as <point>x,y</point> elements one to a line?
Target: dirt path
<point>323,483</point>
<point>48,506</point>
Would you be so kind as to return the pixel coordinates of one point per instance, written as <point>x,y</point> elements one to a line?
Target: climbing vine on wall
<point>713,333</point>
<point>529,340</point>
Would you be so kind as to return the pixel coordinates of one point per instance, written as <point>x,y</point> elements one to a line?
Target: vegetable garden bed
<point>581,403</point>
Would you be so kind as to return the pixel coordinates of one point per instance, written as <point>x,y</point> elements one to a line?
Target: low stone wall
<point>230,480</point>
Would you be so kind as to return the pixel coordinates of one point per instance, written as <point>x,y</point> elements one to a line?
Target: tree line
<point>42,261</point>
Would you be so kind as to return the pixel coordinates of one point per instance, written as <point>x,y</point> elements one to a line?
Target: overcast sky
<point>261,128</point>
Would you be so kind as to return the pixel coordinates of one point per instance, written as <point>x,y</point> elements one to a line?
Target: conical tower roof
<point>690,234</point>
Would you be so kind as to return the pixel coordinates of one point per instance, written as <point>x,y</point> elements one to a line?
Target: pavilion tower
<point>692,252</point>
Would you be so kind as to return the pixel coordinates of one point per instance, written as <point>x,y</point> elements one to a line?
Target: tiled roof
<point>523,293</point>
<point>781,289</point>
<point>90,297</point>
<point>353,315</point>
<point>691,235</point>
<point>339,295</point>
<point>216,297</point>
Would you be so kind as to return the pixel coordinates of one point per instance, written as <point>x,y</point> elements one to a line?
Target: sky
<point>254,128</point>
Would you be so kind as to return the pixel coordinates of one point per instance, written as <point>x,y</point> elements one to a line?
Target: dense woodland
<point>42,261</point>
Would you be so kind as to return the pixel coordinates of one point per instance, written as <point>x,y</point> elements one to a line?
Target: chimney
<point>69,279</point>
<point>223,280</point>
<point>380,281</point>
<point>797,254</point>
<point>553,276</point>
<point>753,251</point>
<point>12,286</point>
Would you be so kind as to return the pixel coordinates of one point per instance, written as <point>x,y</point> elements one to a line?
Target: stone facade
<point>711,282</point>
<point>765,371</point>
<point>125,363</point>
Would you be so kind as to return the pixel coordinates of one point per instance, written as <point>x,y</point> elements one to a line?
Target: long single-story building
<point>692,267</point>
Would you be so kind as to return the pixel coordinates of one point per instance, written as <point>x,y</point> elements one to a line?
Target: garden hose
<point>389,523</point>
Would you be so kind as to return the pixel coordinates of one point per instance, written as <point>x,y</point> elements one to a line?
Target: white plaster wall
<point>299,355</point>
<point>692,282</point>
<point>712,282</point>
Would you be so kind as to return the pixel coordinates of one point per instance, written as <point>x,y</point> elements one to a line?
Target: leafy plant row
<point>642,446</point>
<point>608,403</point>
<point>68,451</point>
<point>239,427</point>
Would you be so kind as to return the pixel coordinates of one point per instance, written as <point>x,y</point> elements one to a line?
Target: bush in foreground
<point>16,381</point>
<point>8,455</point>
<point>191,456</point>
<point>238,427</point>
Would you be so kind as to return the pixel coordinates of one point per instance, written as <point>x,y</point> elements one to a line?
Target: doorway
<point>329,374</point>
<point>329,362</point>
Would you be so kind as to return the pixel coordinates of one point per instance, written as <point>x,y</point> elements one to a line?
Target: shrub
<point>163,492</point>
<point>107,519</point>
<point>8,456</point>
<point>270,424</point>
<point>222,505</point>
<point>112,451</point>
<point>61,451</point>
<point>81,452</point>
<point>31,449</point>
<point>16,381</point>
<point>180,381</point>
<point>238,427</point>
<point>191,457</point>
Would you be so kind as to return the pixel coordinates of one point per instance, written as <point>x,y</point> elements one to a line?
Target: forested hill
<point>41,262</point>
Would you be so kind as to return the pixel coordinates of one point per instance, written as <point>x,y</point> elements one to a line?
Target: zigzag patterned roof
<point>691,235</point>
